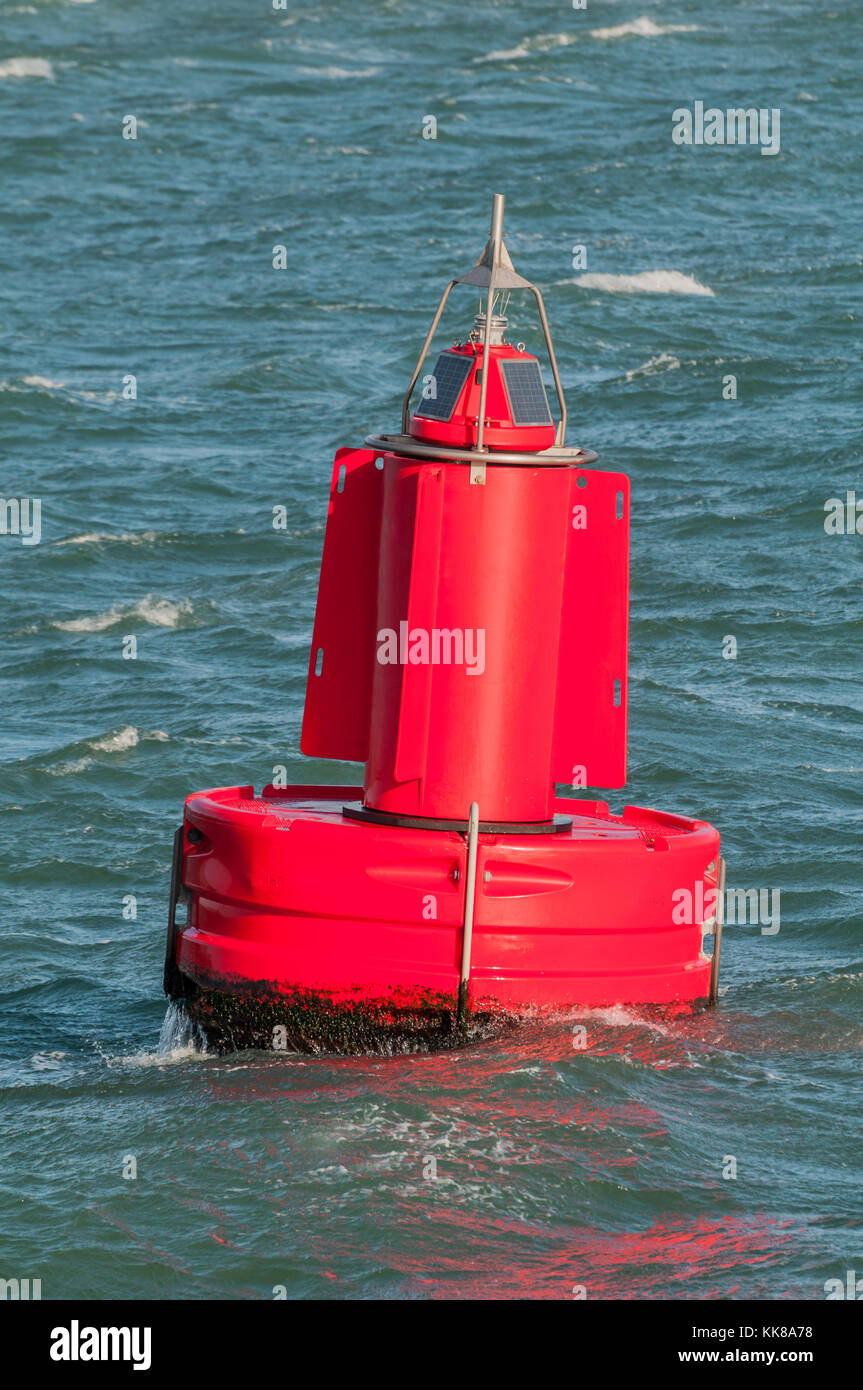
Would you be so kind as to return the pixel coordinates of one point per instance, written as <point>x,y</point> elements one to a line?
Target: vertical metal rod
<point>496,234</point>
<point>561,400</point>
<point>497,203</point>
<point>718,919</point>
<point>469,894</point>
<point>406,404</point>
<point>172,978</point>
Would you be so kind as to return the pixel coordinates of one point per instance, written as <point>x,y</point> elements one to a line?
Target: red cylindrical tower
<point>448,625</point>
<point>469,604</point>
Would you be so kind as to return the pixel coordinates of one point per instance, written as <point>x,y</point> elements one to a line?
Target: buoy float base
<point>312,930</point>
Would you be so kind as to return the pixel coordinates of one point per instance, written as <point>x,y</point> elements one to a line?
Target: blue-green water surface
<point>555,1168</point>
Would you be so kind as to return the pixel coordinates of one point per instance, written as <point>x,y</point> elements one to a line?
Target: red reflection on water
<point>676,1258</point>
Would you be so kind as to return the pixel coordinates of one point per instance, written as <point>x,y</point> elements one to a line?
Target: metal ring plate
<point>407,447</point>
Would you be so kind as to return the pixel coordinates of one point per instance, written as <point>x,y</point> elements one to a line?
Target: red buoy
<point>470,648</point>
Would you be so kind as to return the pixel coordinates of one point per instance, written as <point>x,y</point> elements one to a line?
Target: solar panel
<point>527,398</point>
<point>452,370</point>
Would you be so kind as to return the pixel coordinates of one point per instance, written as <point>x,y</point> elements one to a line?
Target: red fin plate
<point>590,710</point>
<point>338,700</point>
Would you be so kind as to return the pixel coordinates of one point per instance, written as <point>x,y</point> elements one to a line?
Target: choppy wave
<point>71,394</point>
<point>26,67</point>
<point>538,43</point>
<point>159,612</point>
<point>662,362</point>
<point>47,1061</point>
<point>534,44</point>
<point>642,28</point>
<point>127,737</point>
<point>100,537</point>
<point>179,1039</point>
<point>45,382</point>
<point>335,74</point>
<point>115,741</point>
<point>643,282</point>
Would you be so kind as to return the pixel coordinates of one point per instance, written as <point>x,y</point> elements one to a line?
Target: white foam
<point>116,741</point>
<point>127,737</point>
<point>619,1016</point>
<point>179,1036</point>
<point>26,67</point>
<point>97,623</point>
<point>644,282</point>
<point>46,1061</point>
<point>545,43</point>
<point>337,74</point>
<point>540,43</point>
<point>505,55</point>
<point>662,362</point>
<point>179,1040</point>
<point>96,537</point>
<point>44,382</point>
<point>642,28</point>
<point>157,612</point>
<point>69,769</point>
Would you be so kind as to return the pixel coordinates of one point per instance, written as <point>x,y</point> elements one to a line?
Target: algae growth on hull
<point>234,1017</point>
